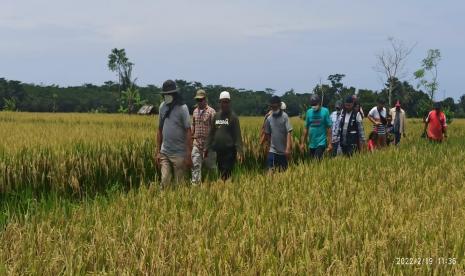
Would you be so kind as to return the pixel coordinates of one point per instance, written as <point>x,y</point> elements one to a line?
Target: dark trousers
<point>335,148</point>
<point>349,150</point>
<point>226,159</point>
<point>397,136</point>
<point>277,161</point>
<point>317,153</point>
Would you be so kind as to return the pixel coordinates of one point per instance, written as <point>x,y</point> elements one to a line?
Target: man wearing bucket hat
<point>201,125</point>
<point>174,138</point>
<point>225,137</point>
<point>398,122</point>
<point>317,129</point>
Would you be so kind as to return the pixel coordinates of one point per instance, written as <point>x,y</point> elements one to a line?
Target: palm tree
<point>118,62</point>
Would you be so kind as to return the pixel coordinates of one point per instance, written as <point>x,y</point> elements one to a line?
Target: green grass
<point>341,216</point>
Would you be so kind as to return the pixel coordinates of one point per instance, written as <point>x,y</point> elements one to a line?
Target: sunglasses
<point>200,100</point>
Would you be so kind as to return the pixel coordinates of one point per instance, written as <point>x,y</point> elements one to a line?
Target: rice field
<point>79,195</point>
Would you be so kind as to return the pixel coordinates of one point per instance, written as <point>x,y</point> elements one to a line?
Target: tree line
<point>125,96</point>
<point>107,98</point>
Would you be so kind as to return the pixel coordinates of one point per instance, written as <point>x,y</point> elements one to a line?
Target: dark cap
<point>275,100</point>
<point>315,100</point>
<point>349,99</point>
<point>169,87</point>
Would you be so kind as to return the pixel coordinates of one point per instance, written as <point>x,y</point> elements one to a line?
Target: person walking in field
<point>278,130</point>
<point>377,116</point>
<point>265,144</point>
<point>351,135</point>
<point>335,117</point>
<point>174,137</point>
<point>436,124</point>
<point>201,124</point>
<point>398,122</point>
<point>225,137</point>
<point>317,129</point>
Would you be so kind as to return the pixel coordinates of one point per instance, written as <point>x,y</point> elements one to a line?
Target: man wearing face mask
<point>335,116</point>
<point>278,134</point>
<point>318,123</point>
<point>398,121</point>
<point>225,137</point>
<point>201,125</point>
<point>174,137</point>
<point>350,132</point>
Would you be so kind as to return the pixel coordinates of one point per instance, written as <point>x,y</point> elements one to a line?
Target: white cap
<point>283,106</point>
<point>225,95</point>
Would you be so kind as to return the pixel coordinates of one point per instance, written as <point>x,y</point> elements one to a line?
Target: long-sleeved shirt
<point>335,117</point>
<point>201,125</point>
<point>225,133</point>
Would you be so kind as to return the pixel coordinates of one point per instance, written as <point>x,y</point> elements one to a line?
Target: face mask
<point>168,99</point>
<point>276,113</point>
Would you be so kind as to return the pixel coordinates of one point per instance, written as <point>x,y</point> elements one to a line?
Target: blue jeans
<point>277,161</point>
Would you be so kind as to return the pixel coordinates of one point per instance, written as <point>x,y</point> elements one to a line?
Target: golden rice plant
<point>364,215</point>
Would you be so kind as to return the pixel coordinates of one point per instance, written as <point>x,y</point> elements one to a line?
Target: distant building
<point>146,110</point>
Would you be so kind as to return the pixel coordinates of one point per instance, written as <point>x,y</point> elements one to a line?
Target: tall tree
<point>429,66</point>
<point>118,62</point>
<point>336,82</point>
<point>391,63</point>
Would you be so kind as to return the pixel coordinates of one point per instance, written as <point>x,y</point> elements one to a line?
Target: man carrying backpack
<point>174,137</point>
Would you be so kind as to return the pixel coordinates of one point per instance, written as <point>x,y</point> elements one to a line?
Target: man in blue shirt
<point>318,123</point>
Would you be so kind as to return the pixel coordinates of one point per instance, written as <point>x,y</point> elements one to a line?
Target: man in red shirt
<point>435,124</point>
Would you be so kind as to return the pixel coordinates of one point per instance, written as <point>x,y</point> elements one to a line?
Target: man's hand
<point>330,147</point>
<point>288,154</point>
<point>205,154</point>
<point>302,148</point>
<point>157,159</point>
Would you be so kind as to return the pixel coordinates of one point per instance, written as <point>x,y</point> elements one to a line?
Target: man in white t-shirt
<point>377,116</point>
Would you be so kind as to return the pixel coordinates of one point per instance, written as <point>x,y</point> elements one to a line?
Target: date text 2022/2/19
<point>425,261</point>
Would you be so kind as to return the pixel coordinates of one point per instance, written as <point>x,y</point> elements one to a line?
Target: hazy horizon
<point>264,44</point>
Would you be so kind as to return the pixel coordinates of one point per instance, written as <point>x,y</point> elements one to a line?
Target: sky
<point>254,44</point>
